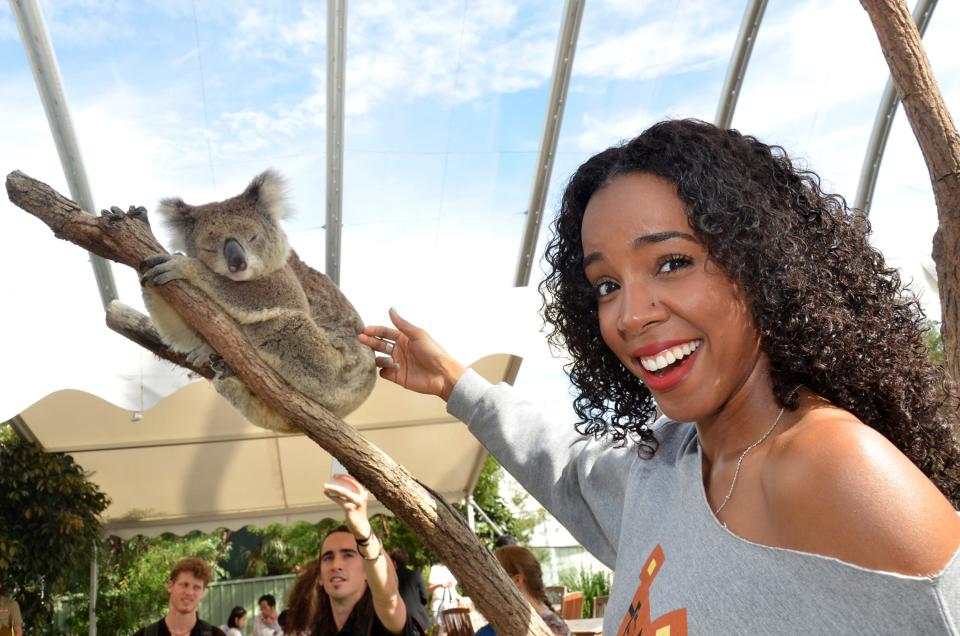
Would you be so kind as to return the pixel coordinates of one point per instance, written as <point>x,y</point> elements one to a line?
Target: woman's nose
<point>639,309</point>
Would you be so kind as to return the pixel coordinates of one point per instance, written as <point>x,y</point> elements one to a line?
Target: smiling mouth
<point>669,359</point>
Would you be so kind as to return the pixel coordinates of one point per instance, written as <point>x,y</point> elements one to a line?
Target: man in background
<point>412,588</point>
<point>186,586</point>
<point>265,624</point>
<point>10,618</point>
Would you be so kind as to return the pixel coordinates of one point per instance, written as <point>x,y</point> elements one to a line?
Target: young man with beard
<point>353,590</point>
<point>186,586</point>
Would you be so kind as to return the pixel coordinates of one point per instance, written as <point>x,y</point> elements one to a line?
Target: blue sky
<point>445,104</point>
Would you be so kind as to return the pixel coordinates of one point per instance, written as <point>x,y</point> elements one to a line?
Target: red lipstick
<point>674,375</point>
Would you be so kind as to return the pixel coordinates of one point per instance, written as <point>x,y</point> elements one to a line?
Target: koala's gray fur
<point>237,253</point>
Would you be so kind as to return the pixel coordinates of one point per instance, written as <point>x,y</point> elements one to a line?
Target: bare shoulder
<point>836,487</point>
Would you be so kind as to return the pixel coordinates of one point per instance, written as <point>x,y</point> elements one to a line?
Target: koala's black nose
<point>235,256</point>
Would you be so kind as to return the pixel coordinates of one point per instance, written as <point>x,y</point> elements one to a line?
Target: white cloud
<point>628,44</point>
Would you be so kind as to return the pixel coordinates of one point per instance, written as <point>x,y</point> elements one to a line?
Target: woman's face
<point>242,621</point>
<point>667,311</point>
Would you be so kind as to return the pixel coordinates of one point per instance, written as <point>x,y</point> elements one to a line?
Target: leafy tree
<point>934,340</point>
<point>49,523</point>
<point>283,548</point>
<point>508,516</point>
<point>592,583</point>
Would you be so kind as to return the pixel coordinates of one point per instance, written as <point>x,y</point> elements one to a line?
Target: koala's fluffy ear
<point>178,219</point>
<point>269,190</point>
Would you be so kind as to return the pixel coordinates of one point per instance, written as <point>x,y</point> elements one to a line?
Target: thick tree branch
<point>940,144</point>
<point>128,240</point>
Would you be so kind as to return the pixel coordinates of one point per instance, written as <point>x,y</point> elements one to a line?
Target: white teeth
<point>668,357</point>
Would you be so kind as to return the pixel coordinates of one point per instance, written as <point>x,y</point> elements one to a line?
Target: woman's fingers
<point>379,331</point>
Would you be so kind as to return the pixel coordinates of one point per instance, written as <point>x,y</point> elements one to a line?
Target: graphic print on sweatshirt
<point>637,621</point>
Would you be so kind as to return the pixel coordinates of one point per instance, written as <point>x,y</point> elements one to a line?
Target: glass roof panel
<point>445,106</point>
<point>637,63</point>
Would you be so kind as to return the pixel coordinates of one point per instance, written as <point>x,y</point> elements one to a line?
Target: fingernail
<point>394,366</point>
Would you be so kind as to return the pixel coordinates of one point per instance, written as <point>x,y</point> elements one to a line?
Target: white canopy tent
<point>170,453</point>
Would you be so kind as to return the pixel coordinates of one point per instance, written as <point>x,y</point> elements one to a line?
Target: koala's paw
<point>112,215</point>
<point>201,355</point>
<point>161,269</point>
<point>138,212</point>
<point>115,214</point>
<point>220,366</point>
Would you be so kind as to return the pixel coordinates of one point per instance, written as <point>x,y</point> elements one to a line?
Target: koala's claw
<point>160,269</point>
<point>201,355</point>
<point>115,214</point>
<point>220,366</point>
<point>138,212</point>
<point>112,215</point>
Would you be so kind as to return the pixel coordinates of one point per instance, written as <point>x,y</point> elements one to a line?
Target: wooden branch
<point>128,240</point>
<point>940,144</point>
<point>133,325</point>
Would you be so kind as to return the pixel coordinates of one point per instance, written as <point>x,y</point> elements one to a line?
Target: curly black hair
<point>831,314</point>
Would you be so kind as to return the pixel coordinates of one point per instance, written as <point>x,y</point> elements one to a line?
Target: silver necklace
<point>749,448</point>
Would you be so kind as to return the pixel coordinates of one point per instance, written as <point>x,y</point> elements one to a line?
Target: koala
<point>236,252</point>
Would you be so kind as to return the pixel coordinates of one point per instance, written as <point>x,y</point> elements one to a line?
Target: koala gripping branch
<point>128,240</point>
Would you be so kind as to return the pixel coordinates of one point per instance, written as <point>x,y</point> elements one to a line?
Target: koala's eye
<point>208,250</point>
<point>253,238</point>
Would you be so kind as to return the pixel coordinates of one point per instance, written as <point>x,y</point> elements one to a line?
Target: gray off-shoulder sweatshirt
<point>677,569</point>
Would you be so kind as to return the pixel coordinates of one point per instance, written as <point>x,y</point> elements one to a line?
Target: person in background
<point>352,590</point>
<point>303,599</point>
<point>265,623</point>
<point>442,586</point>
<point>10,612</point>
<point>283,619</point>
<point>236,622</point>
<point>412,588</point>
<point>186,586</point>
<point>525,571</point>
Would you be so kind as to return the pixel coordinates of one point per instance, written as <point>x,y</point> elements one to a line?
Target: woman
<point>236,622</point>
<point>792,484</point>
<point>525,571</point>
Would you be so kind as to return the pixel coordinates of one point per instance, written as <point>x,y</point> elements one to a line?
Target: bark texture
<point>128,240</point>
<point>937,135</point>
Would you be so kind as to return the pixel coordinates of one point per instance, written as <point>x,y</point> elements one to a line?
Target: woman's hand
<point>349,494</point>
<point>413,359</point>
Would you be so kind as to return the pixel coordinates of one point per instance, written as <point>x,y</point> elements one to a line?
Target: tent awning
<point>193,463</point>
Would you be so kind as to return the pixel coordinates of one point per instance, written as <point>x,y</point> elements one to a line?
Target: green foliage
<point>49,522</point>
<point>131,589</point>
<point>935,342</point>
<point>591,583</point>
<point>488,497</point>
<point>283,548</point>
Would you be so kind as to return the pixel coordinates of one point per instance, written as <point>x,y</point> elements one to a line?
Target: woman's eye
<point>674,263</point>
<point>605,287</point>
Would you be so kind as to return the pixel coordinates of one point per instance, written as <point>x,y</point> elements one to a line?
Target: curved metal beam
<point>336,71</point>
<point>46,74</point>
<point>562,68</point>
<point>737,69</point>
<point>884,122</point>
